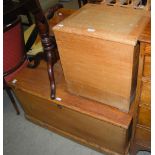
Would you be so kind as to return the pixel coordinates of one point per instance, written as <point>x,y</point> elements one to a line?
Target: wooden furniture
<point>142,136</point>
<point>105,67</point>
<point>54,15</point>
<point>33,44</point>
<point>70,115</point>
<point>42,25</point>
<point>14,57</point>
<point>73,116</point>
<point>34,7</point>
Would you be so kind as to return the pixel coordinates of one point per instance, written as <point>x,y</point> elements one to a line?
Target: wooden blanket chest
<point>99,52</point>
<point>88,122</point>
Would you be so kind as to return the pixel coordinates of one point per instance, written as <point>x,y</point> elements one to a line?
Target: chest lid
<point>112,23</point>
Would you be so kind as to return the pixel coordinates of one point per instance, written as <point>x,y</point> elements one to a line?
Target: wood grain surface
<point>144,117</point>
<point>75,123</point>
<point>110,23</point>
<point>73,115</point>
<point>141,138</point>
<point>99,52</point>
<point>38,85</point>
<point>75,138</point>
<point>145,36</point>
<point>145,98</point>
<point>101,70</point>
<point>147,66</point>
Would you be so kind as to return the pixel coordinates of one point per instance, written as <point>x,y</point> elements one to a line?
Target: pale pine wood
<point>39,86</point>
<point>147,66</point>
<point>105,75</point>
<point>148,48</point>
<point>104,68</point>
<point>74,116</point>
<point>107,23</point>
<point>75,138</point>
<point>75,123</point>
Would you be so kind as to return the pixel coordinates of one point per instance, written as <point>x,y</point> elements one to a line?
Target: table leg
<point>43,27</point>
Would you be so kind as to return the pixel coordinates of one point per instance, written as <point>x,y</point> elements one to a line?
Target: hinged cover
<point>112,23</point>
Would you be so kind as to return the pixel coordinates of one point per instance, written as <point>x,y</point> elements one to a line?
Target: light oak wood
<point>141,138</point>
<point>73,137</point>
<point>73,115</point>
<point>106,23</point>
<point>148,5</point>
<point>80,104</point>
<point>144,117</point>
<point>147,66</point>
<point>105,67</point>
<point>97,75</point>
<point>145,98</point>
<point>148,47</point>
<point>75,123</point>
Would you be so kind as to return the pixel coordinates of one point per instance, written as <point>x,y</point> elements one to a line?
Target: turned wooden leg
<point>11,96</point>
<point>42,25</point>
<point>51,74</point>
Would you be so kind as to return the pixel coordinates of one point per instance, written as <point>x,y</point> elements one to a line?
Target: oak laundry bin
<point>99,52</point>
